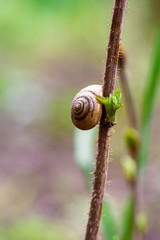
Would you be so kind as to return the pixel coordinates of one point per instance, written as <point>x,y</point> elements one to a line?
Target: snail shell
<point>86,110</point>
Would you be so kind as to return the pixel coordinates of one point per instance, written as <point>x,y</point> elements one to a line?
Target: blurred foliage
<point>41,42</point>
<point>132,139</point>
<point>35,228</point>
<point>59,120</point>
<point>38,27</point>
<point>149,98</point>
<point>128,219</point>
<point>141,223</point>
<point>38,35</point>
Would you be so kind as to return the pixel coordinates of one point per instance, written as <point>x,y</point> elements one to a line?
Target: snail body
<point>86,110</point>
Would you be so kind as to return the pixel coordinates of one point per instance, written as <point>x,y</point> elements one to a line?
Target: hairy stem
<point>102,158</point>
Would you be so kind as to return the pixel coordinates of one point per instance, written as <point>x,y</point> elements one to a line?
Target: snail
<point>86,110</point>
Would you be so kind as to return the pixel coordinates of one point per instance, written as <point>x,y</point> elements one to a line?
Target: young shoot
<point>112,104</point>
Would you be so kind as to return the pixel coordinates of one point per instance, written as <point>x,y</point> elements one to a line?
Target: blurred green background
<point>49,50</point>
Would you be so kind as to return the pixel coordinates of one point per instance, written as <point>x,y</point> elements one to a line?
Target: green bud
<point>132,139</point>
<point>141,223</point>
<point>129,167</point>
<point>112,104</point>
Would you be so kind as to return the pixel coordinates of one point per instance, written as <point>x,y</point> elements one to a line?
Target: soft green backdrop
<point>49,50</point>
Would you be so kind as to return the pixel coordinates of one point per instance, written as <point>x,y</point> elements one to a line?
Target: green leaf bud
<point>132,139</point>
<point>141,223</point>
<point>129,168</point>
<point>111,103</point>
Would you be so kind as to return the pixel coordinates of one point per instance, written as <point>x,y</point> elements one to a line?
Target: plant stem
<point>135,190</point>
<point>126,90</point>
<point>102,158</point>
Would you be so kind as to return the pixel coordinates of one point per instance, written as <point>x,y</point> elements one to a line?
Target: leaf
<point>128,219</point>
<point>118,94</point>
<point>83,150</point>
<point>148,106</point>
<point>111,103</point>
<point>110,228</point>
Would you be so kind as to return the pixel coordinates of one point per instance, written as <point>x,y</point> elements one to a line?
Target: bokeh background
<point>49,50</point>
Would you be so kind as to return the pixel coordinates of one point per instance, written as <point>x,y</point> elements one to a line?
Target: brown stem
<point>102,158</point>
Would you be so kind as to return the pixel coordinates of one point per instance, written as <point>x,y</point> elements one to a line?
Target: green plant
<point>137,142</point>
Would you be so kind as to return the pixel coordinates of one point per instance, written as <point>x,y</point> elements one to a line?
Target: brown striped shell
<point>86,110</point>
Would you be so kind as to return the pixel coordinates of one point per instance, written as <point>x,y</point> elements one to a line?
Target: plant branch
<point>135,192</point>
<point>126,90</point>
<point>102,158</point>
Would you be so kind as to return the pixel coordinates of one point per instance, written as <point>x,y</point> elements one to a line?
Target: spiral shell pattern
<point>86,110</point>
